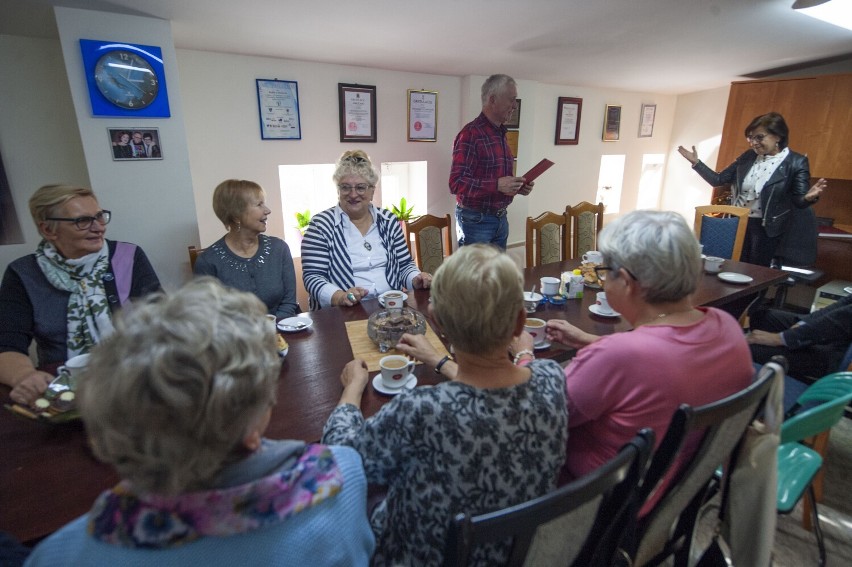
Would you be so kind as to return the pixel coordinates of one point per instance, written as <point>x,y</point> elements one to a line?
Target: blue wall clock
<point>125,79</point>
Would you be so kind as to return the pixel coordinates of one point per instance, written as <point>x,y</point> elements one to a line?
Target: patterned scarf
<point>88,319</point>
<point>122,516</point>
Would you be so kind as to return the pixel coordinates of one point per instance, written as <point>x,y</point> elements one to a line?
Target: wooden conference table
<point>48,475</point>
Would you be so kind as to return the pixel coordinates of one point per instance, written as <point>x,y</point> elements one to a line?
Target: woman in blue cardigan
<point>355,249</point>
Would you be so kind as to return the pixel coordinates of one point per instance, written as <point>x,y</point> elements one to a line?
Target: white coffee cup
<point>536,328</point>
<point>74,366</point>
<point>393,300</point>
<point>396,370</point>
<point>603,302</point>
<point>531,301</point>
<point>549,285</point>
<point>593,257</point>
<point>713,264</point>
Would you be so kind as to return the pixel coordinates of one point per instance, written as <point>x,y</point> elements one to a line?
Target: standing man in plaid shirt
<point>481,177</point>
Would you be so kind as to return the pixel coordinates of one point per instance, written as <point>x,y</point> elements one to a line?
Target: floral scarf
<point>88,319</point>
<point>122,516</point>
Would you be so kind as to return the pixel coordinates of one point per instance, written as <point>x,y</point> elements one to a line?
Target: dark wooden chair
<point>615,484</point>
<point>193,255</point>
<point>667,529</point>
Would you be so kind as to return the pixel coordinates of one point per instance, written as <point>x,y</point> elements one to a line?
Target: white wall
<point>151,200</point>
<point>698,122</point>
<point>223,129</point>
<point>214,134</point>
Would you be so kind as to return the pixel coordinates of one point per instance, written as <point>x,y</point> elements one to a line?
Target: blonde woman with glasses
<point>355,249</point>
<point>64,296</point>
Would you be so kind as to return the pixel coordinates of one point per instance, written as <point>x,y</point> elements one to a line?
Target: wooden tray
<point>363,347</point>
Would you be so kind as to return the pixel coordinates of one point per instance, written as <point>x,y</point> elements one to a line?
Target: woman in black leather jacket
<point>769,179</point>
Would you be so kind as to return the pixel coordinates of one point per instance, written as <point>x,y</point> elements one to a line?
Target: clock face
<point>126,79</point>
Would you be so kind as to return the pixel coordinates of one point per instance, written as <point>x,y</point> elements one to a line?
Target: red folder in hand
<point>537,170</point>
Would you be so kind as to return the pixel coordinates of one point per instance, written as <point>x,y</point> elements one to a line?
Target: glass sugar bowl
<point>385,328</point>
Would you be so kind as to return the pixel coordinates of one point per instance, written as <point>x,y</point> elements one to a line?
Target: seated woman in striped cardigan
<point>355,249</point>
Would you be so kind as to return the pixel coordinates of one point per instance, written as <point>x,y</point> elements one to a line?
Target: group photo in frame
<point>278,105</point>
<point>422,116</point>
<point>129,144</point>
<point>357,112</point>
<point>612,123</point>
<point>646,120</point>
<point>568,111</point>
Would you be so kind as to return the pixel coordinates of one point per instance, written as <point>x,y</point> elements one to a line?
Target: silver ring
<point>350,296</point>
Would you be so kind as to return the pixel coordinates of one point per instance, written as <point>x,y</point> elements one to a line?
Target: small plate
<point>733,277</point>
<point>295,324</point>
<point>557,300</point>
<point>379,387</point>
<point>596,309</point>
<point>382,298</point>
<point>544,345</point>
<point>593,285</point>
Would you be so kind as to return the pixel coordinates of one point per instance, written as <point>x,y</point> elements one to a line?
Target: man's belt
<point>494,212</point>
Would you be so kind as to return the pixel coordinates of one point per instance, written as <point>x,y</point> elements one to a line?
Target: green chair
<point>798,464</point>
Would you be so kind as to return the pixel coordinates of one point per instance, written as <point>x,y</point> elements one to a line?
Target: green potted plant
<point>303,220</point>
<point>402,211</point>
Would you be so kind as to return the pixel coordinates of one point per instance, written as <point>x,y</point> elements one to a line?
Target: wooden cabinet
<point>818,111</point>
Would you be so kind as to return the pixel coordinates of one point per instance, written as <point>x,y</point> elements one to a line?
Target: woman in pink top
<point>675,354</point>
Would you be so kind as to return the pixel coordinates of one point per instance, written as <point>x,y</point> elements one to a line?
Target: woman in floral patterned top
<point>491,437</point>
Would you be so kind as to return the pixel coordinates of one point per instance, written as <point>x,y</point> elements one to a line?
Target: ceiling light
<point>837,12</point>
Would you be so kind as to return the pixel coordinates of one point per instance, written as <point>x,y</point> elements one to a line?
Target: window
<point>610,177</point>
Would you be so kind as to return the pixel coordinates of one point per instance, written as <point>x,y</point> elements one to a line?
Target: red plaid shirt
<point>481,155</point>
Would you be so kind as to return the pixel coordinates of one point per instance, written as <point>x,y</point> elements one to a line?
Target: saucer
<point>537,297</point>
<point>379,387</point>
<point>596,309</point>
<point>382,298</point>
<point>541,346</point>
<point>733,277</point>
<point>295,324</point>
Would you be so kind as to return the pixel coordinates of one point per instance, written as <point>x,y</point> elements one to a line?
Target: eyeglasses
<point>756,138</point>
<point>361,188</point>
<point>600,272</point>
<point>84,223</point>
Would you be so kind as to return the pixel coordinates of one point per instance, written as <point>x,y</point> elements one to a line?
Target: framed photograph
<point>357,112</point>
<point>278,104</point>
<point>568,111</point>
<point>422,116</point>
<point>646,120</point>
<point>512,140</point>
<point>128,144</point>
<point>515,119</point>
<point>612,123</point>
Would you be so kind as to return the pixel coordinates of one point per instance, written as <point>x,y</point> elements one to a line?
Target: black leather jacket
<point>785,189</point>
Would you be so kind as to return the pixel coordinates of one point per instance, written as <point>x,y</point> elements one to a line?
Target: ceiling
<point>661,46</point>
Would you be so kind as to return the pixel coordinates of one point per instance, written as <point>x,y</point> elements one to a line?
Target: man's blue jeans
<point>474,226</point>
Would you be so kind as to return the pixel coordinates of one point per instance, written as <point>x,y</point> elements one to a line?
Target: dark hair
<point>774,124</point>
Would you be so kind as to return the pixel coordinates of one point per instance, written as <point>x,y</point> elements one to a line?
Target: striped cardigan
<point>325,258</point>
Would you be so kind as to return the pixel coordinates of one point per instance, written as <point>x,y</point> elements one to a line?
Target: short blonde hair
<point>47,201</point>
<point>169,397</point>
<point>476,296</point>
<point>356,162</point>
<point>231,199</point>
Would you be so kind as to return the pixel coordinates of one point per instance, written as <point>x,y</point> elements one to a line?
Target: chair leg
<point>818,443</point>
<point>817,528</point>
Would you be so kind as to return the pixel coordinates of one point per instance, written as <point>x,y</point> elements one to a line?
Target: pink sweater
<point>627,381</point>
